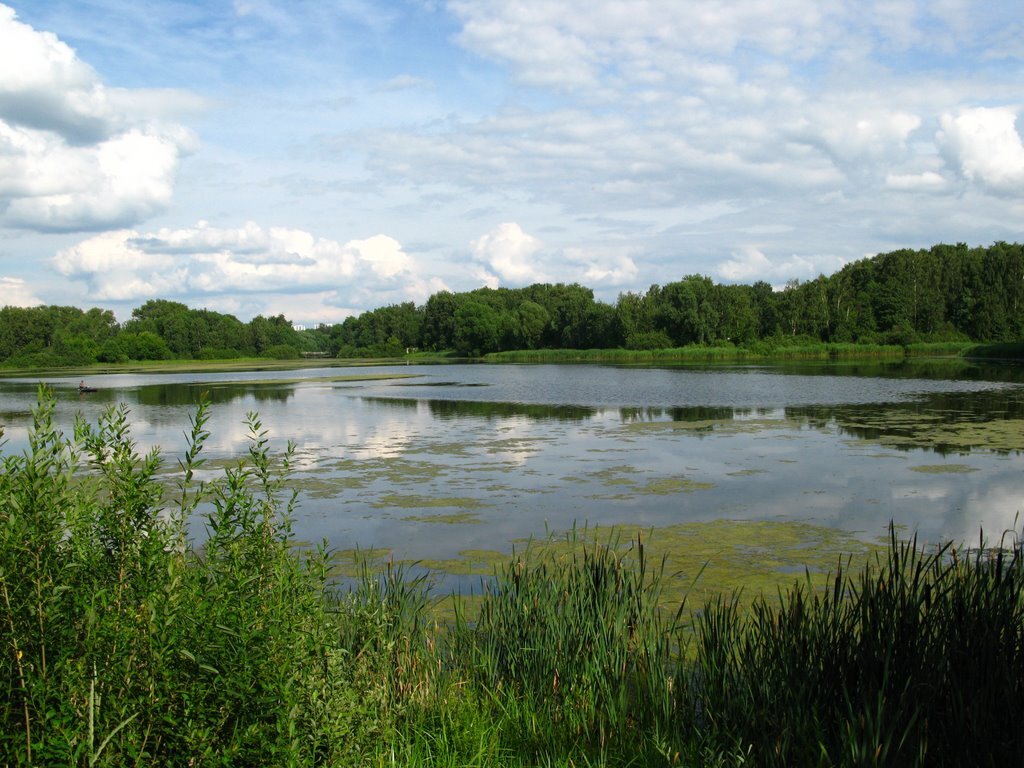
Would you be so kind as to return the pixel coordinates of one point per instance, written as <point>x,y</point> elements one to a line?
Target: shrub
<point>122,642</point>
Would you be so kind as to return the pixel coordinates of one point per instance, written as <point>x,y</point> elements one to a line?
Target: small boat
<point>82,389</point>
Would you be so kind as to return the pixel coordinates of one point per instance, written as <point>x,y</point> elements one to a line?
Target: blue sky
<point>319,158</point>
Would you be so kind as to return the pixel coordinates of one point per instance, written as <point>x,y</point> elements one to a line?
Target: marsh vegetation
<point>125,642</point>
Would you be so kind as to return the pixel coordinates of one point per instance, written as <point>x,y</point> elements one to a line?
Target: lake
<point>463,457</point>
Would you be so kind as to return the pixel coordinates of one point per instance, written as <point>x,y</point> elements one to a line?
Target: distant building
<point>298,327</point>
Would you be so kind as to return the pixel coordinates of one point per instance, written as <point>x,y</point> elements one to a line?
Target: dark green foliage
<point>122,643</point>
<point>945,294</point>
<point>918,660</point>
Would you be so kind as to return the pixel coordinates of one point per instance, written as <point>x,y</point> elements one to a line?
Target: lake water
<point>464,457</point>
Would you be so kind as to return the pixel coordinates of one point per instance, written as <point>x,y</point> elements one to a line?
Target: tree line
<point>158,330</point>
<point>945,293</point>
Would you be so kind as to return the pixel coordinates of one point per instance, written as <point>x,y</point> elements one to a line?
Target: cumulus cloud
<point>510,254</point>
<point>853,133</point>
<point>603,267</point>
<point>984,146</point>
<point>15,292</point>
<point>279,264</point>
<point>74,154</point>
<point>670,105</point>
<point>750,265</point>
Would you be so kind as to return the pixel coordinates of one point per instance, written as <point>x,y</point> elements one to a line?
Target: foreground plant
<point>917,660</point>
<point>123,642</point>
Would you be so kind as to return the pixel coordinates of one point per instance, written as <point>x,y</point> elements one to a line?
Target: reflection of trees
<point>451,409</point>
<point>955,368</point>
<point>189,394</point>
<point>695,413</point>
<point>905,426</point>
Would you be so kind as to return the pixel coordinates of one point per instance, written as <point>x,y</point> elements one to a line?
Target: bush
<point>651,340</point>
<point>123,643</point>
<point>281,352</point>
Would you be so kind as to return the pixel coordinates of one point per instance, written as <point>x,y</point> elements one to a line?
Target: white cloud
<point>571,43</point>
<point>75,155</point>
<point>603,267</point>
<point>312,276</point>
<point>15,292</point>
<point>853,133</point>
<point>751,265</point>
<point>929,181</point>
<point>510,255</point>
<point>983,145</point>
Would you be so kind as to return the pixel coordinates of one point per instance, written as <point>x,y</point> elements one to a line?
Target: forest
<point>945,293</point>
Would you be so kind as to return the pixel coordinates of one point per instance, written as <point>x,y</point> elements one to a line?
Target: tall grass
<point>759,351</point>
<point>917,660</point>
<point>124,643</point>
<point>575,655</point>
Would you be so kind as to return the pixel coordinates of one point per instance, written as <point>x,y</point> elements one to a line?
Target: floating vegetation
<point>453,519</point>
<point>350,563</point>
<point>749,557</point>
<point>943,469</point>
<point>414,501</point>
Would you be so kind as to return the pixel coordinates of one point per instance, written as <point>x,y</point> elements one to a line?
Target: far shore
<point>761,352</point>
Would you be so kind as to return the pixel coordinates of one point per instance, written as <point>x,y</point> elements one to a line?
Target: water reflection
<point>944,422</point>
<point>457,409</point>
<point>216,393</point>
<point>505,452</point>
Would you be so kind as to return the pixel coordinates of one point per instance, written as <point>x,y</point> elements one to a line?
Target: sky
<point>319,158</point>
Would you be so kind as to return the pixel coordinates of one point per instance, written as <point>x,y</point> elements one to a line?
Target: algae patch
<point>942,469</point>
<point>697,561</point>
<point>452,519</point>
<point>415,501</point>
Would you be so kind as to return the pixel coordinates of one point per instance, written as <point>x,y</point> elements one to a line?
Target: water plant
<point>918,659</point>
<point>574,652</point>
<point>124,641</point>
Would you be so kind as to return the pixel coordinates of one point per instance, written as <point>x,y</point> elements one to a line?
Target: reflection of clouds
<point>388,437</point>
<point>516,444</point>
<point>381,446</point>
<point>13,438</point>
<point>534,467</point>
<point>994,509</point>
<point>927,490</point>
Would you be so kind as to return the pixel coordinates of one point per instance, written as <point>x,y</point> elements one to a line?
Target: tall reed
<point>573,653</point>
<point>916,660</point>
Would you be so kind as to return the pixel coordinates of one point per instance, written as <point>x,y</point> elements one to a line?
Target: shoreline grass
<point>122,643</point>
<point>758,352</point>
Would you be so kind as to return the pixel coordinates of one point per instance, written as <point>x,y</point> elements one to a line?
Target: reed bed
<point>764,350</point>
<point>916,660</point>
<point>124,643</point>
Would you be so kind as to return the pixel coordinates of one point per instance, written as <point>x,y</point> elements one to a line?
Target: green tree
<point>478,329</point>
<point>530,320</point>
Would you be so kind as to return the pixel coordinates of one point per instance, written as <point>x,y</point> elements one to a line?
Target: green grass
<point>761,351</point>
<point>124,643</point>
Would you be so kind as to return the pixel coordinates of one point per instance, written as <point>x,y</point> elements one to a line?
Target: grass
<point>123,643</point>
<point>761,351</point>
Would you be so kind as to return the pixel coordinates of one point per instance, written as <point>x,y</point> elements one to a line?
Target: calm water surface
<point>460,457</point>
